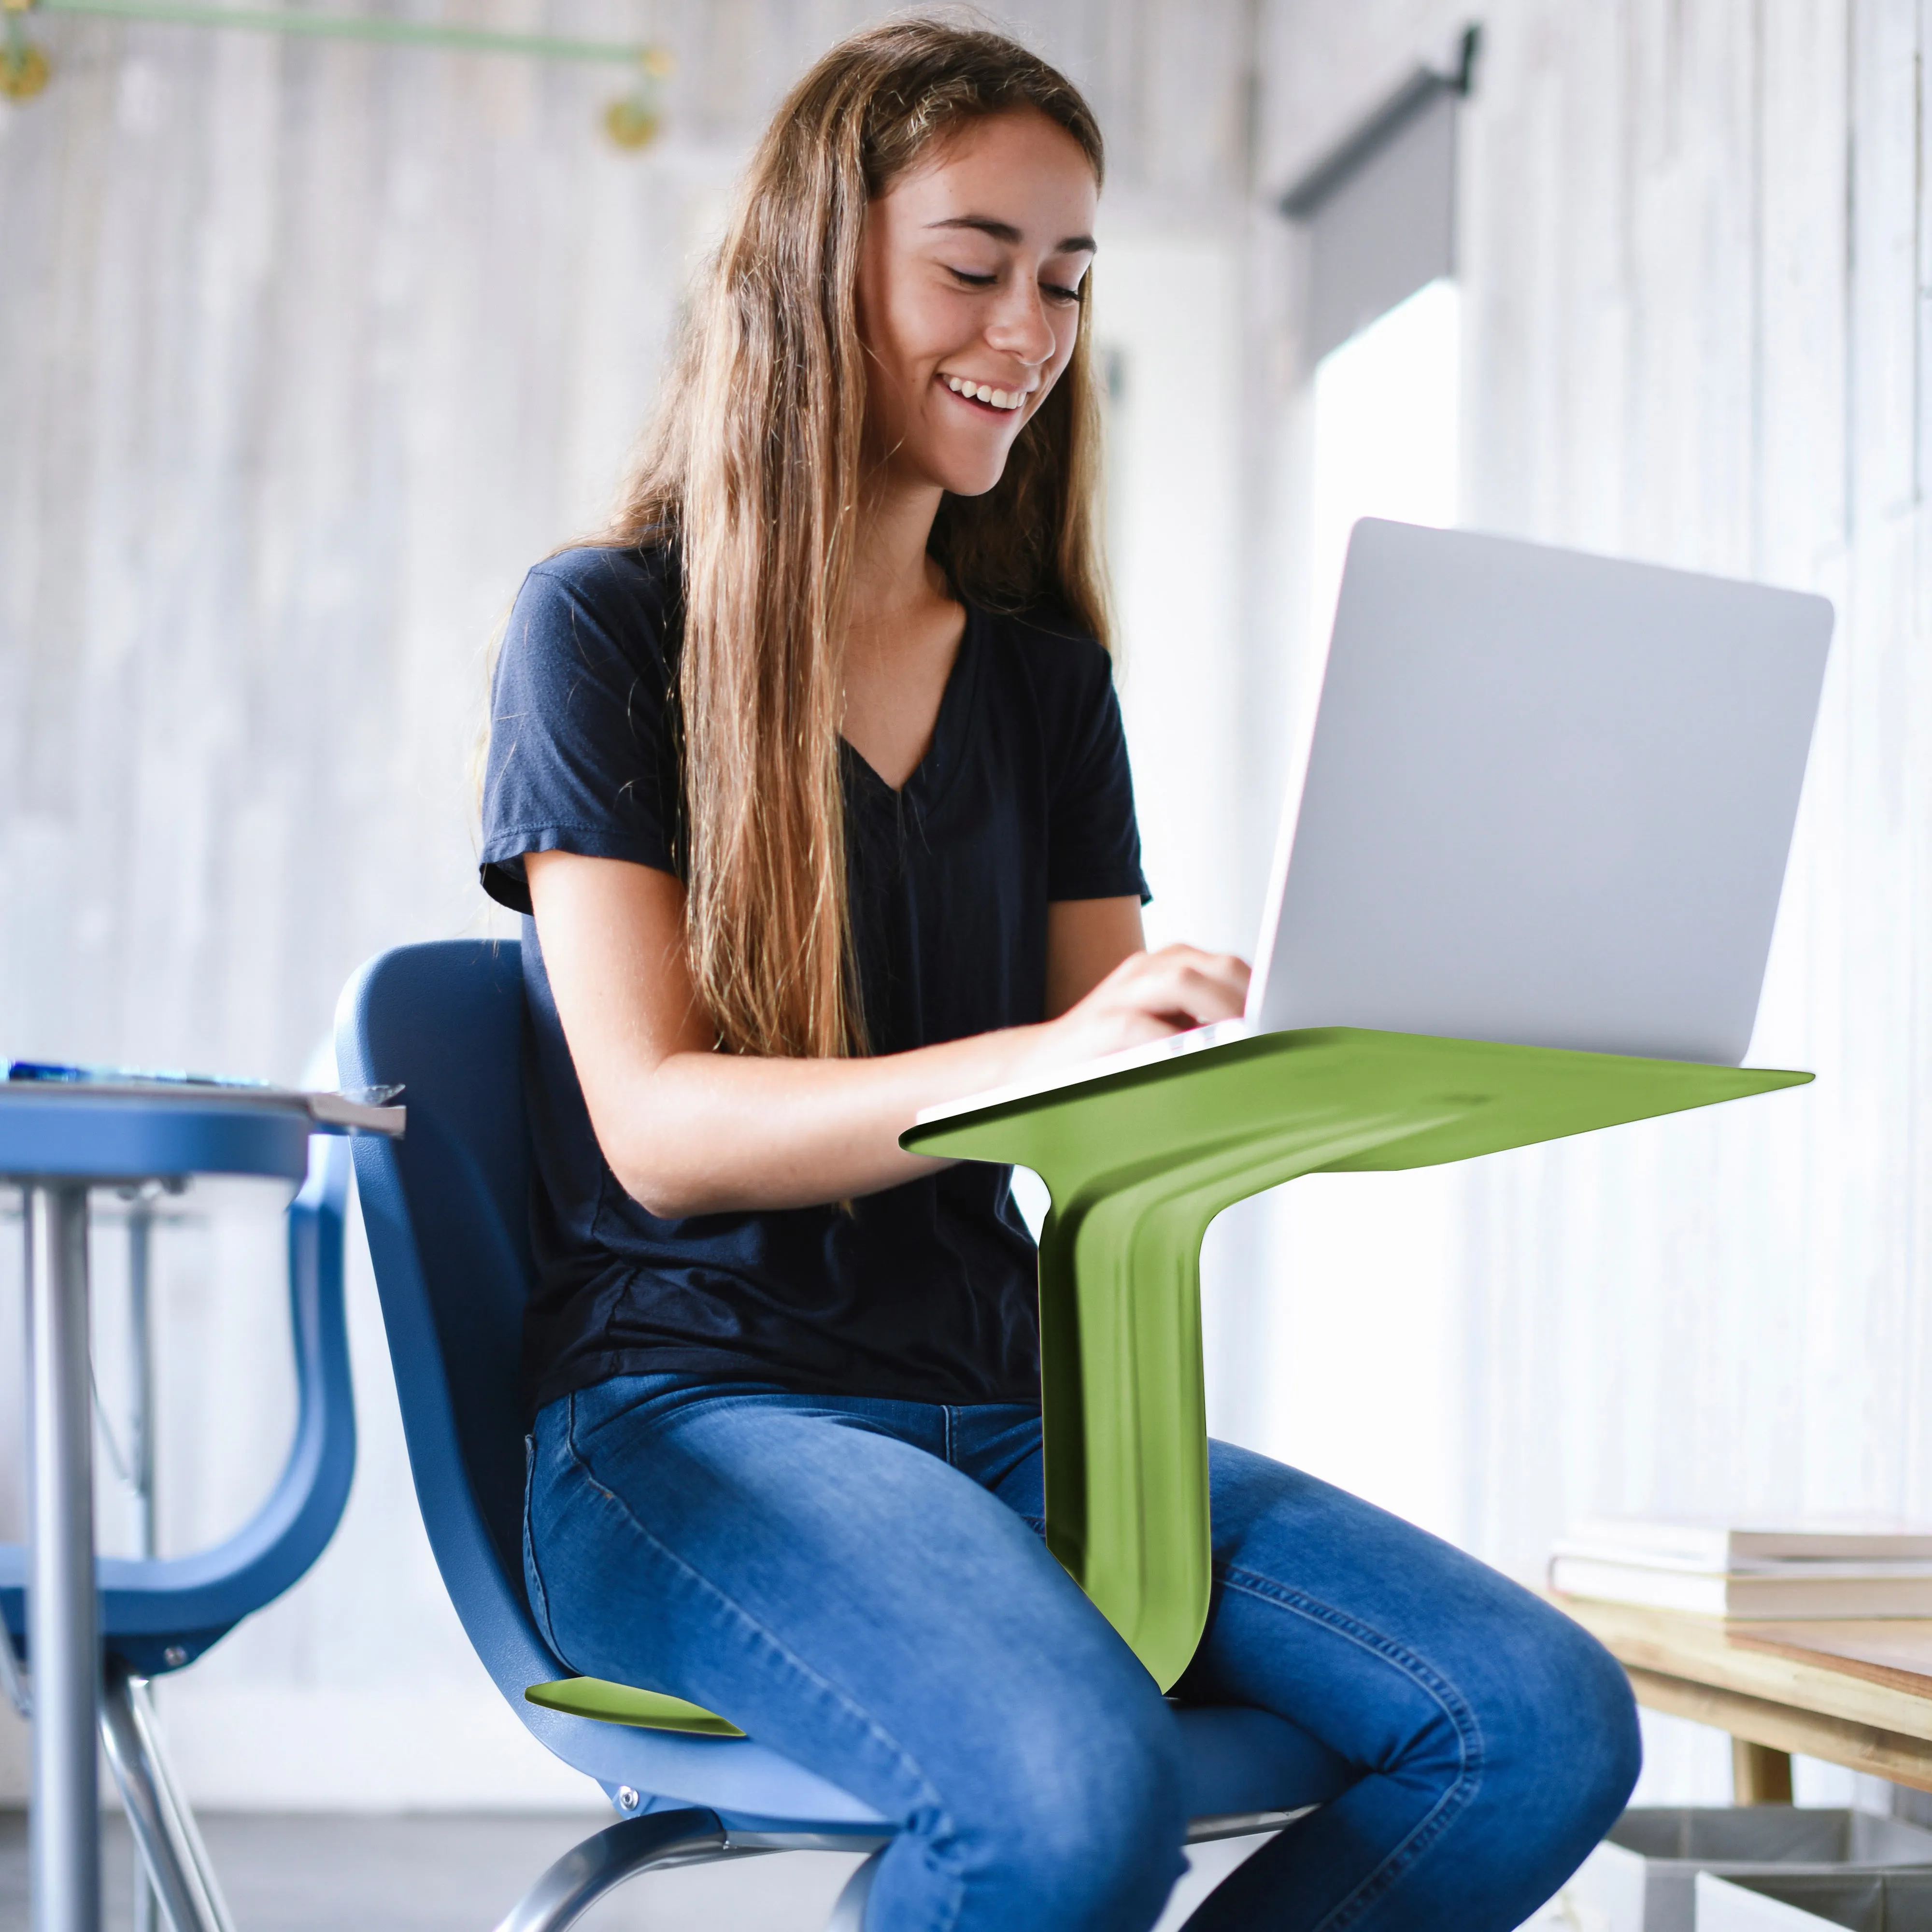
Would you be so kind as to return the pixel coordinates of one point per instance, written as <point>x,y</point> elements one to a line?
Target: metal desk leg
<point>141,1451</point>
<point>64,1830</point>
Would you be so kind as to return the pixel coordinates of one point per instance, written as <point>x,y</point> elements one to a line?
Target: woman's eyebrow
<point>1005,231</point>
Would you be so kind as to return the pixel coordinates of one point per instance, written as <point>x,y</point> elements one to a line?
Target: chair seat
<point>1238,1760</point>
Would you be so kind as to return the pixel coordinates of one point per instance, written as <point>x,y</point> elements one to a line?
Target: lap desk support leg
<point>1139,1163</point>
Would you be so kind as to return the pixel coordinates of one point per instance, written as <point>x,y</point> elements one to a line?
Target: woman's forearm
<point>713,1132</point>
<point>689,1130</point>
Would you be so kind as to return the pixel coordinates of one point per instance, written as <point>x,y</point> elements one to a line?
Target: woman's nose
<point>1021,327</point>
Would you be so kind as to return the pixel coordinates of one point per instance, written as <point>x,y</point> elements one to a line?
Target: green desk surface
<point>1138,1162</point>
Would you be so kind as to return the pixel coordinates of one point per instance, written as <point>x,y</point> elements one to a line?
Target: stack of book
<point>1730,1570</point>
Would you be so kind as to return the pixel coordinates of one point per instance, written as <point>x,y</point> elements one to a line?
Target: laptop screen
<point>1549,799</point>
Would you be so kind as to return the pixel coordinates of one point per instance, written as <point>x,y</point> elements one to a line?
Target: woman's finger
<point>1182,985</point>
<point>1224,968</point>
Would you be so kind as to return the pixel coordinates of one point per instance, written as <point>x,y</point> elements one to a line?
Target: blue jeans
<point>862,1584</point>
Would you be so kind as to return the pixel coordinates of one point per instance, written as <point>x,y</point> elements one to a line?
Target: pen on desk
<point>53,1071</point>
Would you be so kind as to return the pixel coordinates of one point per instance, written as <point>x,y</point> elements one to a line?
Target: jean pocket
<point>533,1581</point>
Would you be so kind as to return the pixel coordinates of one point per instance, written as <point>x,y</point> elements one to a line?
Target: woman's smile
<point>984,396</point>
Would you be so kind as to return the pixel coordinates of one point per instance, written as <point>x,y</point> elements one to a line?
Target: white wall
<point>1167,318</point>
<point>306,351</point>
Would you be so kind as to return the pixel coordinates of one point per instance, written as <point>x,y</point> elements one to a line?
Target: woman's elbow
<point>659,1149</point>
<point>661,1184</point>
<point>676,1180</point>
<point>674,1169</point>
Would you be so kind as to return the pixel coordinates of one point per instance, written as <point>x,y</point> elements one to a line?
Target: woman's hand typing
<point>1145,998</point>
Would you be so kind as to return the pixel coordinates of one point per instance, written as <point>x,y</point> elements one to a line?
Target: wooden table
<point>1855,1693</point>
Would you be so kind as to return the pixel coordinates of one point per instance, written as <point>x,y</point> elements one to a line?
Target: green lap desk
<point>1139,1163</point>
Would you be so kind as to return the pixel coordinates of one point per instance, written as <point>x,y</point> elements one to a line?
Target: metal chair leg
<point>141,1698</point>
<point>175,1860</point>
<point>848,1913</point>
<point>583,1874</point>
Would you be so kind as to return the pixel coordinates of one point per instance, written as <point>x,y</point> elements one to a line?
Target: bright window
<point>1386,440</point>
<point>1365,1321</point>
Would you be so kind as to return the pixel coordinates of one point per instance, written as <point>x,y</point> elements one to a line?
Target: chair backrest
<point>446,1211</point>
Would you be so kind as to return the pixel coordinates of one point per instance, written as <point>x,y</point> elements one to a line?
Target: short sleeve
<point>1093,840</point>
<point>583,751</point>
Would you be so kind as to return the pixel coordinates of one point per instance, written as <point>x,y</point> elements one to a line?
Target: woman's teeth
<point>981,392</point>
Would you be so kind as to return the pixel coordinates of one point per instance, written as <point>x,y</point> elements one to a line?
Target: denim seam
<point>1461,1716</point>
<point>540,1604</point>
<point>734,1609</point>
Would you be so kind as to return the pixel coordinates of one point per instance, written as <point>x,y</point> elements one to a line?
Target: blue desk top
<point>58,1133</point>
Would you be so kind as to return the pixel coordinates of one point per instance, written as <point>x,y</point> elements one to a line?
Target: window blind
<point>1380,208</point>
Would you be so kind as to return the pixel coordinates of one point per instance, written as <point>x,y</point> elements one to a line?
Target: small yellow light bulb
<point>636,119</point>
<point>24,68</point>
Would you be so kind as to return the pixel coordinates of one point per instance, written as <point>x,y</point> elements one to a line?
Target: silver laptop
<point>1548,800</point>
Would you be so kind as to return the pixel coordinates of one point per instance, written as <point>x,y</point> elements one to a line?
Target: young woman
<point>812,778</point>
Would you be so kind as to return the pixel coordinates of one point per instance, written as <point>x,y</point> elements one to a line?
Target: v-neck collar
<point>927,779</point>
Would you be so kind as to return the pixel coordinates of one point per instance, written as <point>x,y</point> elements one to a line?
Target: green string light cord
<point>633,121</point>
<point>357,27</point>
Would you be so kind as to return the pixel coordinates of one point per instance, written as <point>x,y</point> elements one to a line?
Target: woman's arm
<point>688,1130</point>
<point>1086,939</point>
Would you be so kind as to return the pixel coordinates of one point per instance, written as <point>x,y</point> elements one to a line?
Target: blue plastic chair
<point>446,1210</point>
<point>159,1614</point>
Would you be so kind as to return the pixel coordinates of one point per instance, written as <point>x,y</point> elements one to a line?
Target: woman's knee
<point>1579,1744</point>
<point>1613,1751</point>
<point>1076,1822</point>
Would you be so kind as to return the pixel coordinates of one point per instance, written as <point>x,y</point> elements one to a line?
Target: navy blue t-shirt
<point>925,1292</point>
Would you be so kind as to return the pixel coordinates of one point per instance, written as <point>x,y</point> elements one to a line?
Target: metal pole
<point>141,1451</point>
<point>64,1830</point>
<point>13,1677</point>
<point>141,1363</point>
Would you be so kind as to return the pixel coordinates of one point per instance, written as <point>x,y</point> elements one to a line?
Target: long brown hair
<point>754,472</point>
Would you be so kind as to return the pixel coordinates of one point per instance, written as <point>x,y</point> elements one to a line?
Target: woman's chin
<point>969,478</point>
<point>970,471</point>
<point>961,466</point>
